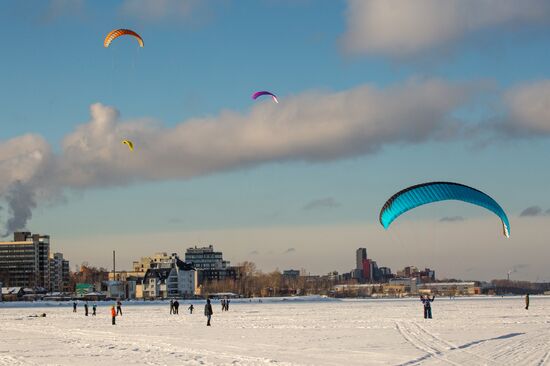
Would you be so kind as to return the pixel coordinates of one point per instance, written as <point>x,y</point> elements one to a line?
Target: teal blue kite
<point>425,193</point>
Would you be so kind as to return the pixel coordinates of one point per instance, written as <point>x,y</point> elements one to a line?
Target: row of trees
<point>88,274</point>
<point>252,282</point>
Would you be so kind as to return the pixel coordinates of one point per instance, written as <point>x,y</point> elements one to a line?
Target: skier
<point>223,304</point>
<point>176,307</point>
<point>119,307</point>
<point>94,307</point>
<point>208,311</point>
<point>227,305</point>
<point>86,308</point>
<point>426,301</point>
<point>113,314</point>
<point>171,306</point>
<point>74,306</point>
<point>527,302</point>
<point>191,307</point>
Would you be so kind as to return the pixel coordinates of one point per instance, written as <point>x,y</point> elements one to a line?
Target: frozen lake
<point>464,331</point>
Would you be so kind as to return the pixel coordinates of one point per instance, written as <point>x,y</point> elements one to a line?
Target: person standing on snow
<point>74,306</point>
<point>119,307</point>
<point>113,314</point>
<point>94,307</point>
<point>426,301</point>
<point>191,308</point>
<point>527,302</point>
<point>176,307</point>
<point>171,306</point>
<point>86,308</point>
<point>208,311</point>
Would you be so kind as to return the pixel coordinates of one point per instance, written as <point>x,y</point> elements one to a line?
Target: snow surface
<point>294,331</point>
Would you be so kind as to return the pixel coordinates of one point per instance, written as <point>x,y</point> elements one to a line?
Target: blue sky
<point>203,60</point>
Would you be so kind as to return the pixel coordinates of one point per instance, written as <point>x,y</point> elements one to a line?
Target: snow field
<point>464,331</point>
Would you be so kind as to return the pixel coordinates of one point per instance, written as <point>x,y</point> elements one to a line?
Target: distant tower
<point>360,256</point>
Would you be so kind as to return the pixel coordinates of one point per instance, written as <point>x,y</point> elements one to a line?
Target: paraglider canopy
<point>264,92</point>
<point>121,32</point>
<point>129,143</point>
<point>425,193</point>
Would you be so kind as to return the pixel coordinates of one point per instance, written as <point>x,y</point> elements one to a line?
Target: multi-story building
<point>360,256</point>
<point>155,283</point>
<point>291,273</point>
<point>427,275</point>
<point>155,261</point>
<point>385,274</point>
<point>59,273</point>
<point>167,276</point>
<point>210,264</point>
<point>24,261</point>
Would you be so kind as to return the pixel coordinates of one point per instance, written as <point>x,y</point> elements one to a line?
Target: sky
<point>375,96</point>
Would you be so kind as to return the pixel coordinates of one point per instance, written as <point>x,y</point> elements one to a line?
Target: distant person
<point>74,306</point>
<point>527,302</point>
<point>94,308</point>
<point>191,308</point>
<point>208,311</point>
<point>223,304</point>
<point>113,314</point>
<point>119,307</point>
<point>171,306</point>
<point>86,308</point>
<point>176,307</point>
<point>227,305</point>
<point>426,301</point>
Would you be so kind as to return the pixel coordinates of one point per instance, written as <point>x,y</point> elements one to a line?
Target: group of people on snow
<point>174,309</point>
<point>225,304</point>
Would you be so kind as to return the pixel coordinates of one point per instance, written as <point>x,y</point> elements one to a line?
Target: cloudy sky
<point>375,95</point>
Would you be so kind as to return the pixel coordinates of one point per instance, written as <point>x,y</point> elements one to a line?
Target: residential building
<point>114,289</point>
<point>450,288</point>
<point>59,273</point>
<point>360,256</point>
<point>427,275</point>
<point>409,285</point>
<point>291,273</point>
<point>210,264</point>
<point>24,262</point>
<point>155,283</point>
<point>169,277</point>
<point>368,270</point>
<point>154,261</point>
<point>12,293</point>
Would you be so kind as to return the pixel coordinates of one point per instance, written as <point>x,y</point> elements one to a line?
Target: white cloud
<point>404,27</point>
<point>528,109</point>
<point>313,126</point>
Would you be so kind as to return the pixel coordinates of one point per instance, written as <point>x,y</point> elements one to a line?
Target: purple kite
<point>263,92</point>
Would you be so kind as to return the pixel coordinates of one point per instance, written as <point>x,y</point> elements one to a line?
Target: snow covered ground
<point>464,331</point>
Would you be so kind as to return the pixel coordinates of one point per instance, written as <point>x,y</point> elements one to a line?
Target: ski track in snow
<point>476,331</point>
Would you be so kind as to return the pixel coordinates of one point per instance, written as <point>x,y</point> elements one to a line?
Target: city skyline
<point>365,109</point>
